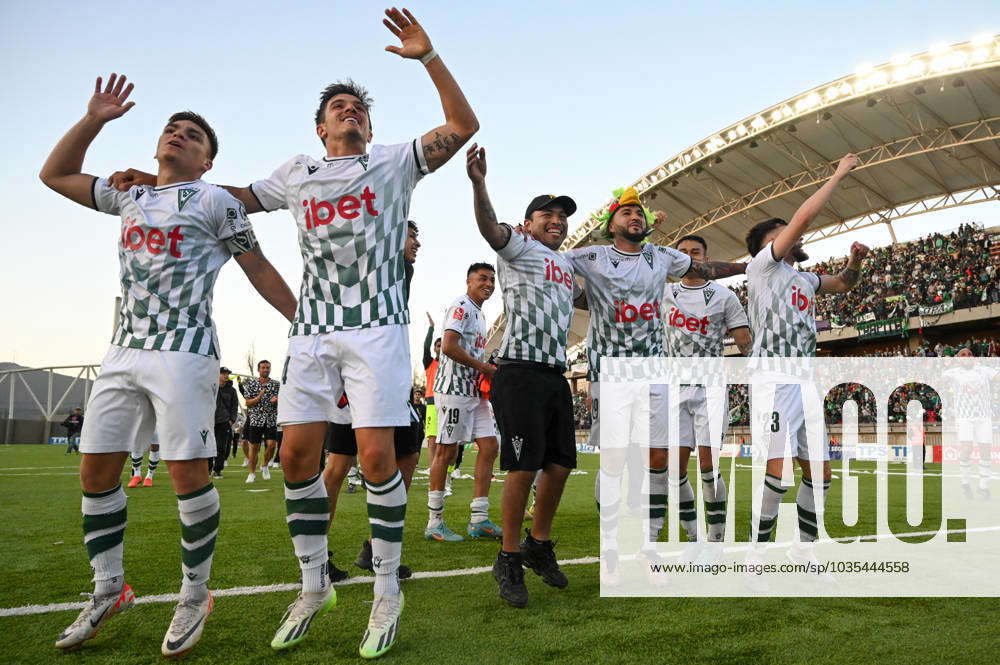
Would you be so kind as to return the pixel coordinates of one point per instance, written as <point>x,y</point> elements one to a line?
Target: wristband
<point>427,57</point>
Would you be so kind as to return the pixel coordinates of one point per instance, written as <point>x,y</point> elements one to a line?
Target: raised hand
<point>110,103</point>
<point>847,163</point>
<point>660,216</point>
<point>859,251</point>
<point>123,180</point>
<point>475,163</point>
<point>430,319</point>
<point>416,43</point>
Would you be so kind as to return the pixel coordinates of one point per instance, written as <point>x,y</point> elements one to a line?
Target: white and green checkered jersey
<point>781,303</point>
<point>699,317</point>
<point>351,215</point>
<point>537,284</point>
<point>971,391</point>
<point>173,241</point>
<point>624,291</point>
<point>466,318</point>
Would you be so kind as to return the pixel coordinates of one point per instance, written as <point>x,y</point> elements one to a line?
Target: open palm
<point>416,43</point>
<point>110,103</point>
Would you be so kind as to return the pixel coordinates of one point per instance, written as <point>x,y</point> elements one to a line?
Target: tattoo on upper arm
<point>242,242</point>
<point>445,144</point>
<point>850,276</point>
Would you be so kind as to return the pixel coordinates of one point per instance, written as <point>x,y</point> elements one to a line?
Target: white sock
<point>386,515</point>
<point>480,508</point>
<point>761,525</point>
<point>104,520</point>
<point>199,513</point>
<point>685,506</point>
<point>154,460</point>
<point>435,508</point>
<point>307,511</point>
<point>658,484</point>
<point>713,487</point>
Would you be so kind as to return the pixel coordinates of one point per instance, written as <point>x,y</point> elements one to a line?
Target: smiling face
<point>480,285</point>
<point>411,246</point>
<point>548,226</point>
<point>629,222</point>
<point>184,147</point>
<point>692,248</point>
<point>345,120</point>
<point>264,369</point>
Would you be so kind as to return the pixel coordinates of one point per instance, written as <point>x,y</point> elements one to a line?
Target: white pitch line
<point>27,610</point>
<point>31,468</point>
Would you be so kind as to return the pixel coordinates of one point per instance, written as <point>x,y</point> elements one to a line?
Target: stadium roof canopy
<point>925,128</point>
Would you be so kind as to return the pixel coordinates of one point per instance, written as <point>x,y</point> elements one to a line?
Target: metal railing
<point>52,402</point>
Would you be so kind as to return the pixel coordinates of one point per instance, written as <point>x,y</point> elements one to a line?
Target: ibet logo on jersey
<point>321,213</point>
<point>137,238</point>
<point>818,476</point>
<point>554,273</point>
<point>626,312</point>
<point>799,299</point>
<point>679,319</point>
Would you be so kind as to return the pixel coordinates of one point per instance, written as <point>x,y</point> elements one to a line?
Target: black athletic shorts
<point>534,413</point>
<point>258,433</point>
<point>340,440</point>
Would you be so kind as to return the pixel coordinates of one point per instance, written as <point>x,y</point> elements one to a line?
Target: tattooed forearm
<point>717,269</point>
<point>744,347</point>
<point>849,276</point>
<point>497,235</point>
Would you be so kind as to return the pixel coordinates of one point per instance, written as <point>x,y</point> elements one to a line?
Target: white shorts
<point>787,426</point>
<point>140,394</point>
<point>695,426</point>
<point>372,366</point>
<point>630,418</point>
<point>463,419</point>
<point>974,430</point>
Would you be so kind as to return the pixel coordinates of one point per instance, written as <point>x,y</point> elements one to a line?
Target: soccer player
<point>350,331</point>
<point>625,283</point>
<point>163,364</point>
<point>261,396</point>
<point>431,362</point>
<point>465,414</point>
<point>152,450</point>
<point>702,313</point>
<point>971,414</point>
<point>530,395</point>
<point>781,308</point>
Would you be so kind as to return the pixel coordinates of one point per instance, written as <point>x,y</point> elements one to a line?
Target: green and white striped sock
<point>657,502</point>
<point>137,466</point>
<point>104,519</point>
<point>480,509</point>
<point>685,505</point>
<point>386,513</point>
<point>154,460</point>
<point>770,494</point>
<point>713,488</point>
<point>307,509</point>
<point>199,513</point>
<point>809,515</point>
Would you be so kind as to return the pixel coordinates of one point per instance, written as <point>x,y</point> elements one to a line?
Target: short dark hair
<point>346,87</point>
<point>693,238</point>
<point>191,116</point>
<point>756,234</point>
<point>412,225</point>
<point>261,362</point>
<point>480,266</point>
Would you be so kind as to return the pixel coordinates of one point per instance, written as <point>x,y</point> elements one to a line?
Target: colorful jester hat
<point>624,197</point>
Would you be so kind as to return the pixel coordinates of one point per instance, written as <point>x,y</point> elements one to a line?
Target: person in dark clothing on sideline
<point>73,425</point>
<point>226,407</point>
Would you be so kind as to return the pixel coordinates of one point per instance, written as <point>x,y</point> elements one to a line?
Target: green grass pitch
<point>456,619</point>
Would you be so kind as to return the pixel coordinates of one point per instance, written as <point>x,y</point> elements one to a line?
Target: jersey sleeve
<point>580,258</point>
<point>270,193</point>
<point>735,316</point>
<point>230,223</point>
<point>517,245</point>
<point>454,318</point>
<point>106,198</point>
<point>764,262</point>
<point>409,159</point>
<point>813,278</point>
<point>680,262</point>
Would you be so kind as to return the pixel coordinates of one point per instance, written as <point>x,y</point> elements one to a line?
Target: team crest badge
<point>363,160</point>
<point>450,428</point>
<point>312,169</point>
<point>183,196</point>
<point>708,293</point>
<point>647,254</point>
<point>518,443</point>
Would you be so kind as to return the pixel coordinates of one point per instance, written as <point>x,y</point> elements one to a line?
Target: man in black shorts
<point>530,396</point>
<point>262,418</point>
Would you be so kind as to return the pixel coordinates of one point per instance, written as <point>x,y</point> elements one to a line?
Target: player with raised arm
<point>350,330</point>
<point>465,413</point>
<point>163,365</point>
<point>624,288</point>
<point>530,396</point>
<point>782,312</point>
<point>702,313</point>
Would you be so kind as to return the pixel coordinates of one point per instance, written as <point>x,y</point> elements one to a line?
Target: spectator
<point>73,425</point>
<point>226,408</point>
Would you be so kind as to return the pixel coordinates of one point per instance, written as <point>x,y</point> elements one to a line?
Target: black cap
<point>224,370</point>
<point>545,200</point>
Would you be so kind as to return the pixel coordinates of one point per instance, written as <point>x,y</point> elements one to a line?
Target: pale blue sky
<point>572,97</point>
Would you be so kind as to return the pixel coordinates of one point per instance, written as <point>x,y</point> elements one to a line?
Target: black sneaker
<point>541,558</point>
<point>335,574</point>
<point>364,562</point>
<point>509,574</point>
